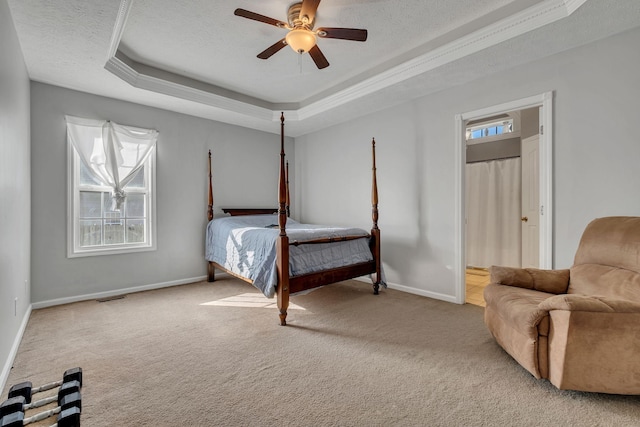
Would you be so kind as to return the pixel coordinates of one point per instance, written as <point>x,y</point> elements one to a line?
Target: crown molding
<point>572,5</point>
<point>122,67</point>
<point>118,27</point>
<point>515,25</point>
<point>520,23</point>
<point>118,68</point>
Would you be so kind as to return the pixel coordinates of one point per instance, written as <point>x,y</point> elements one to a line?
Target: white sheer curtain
<point>113,153</point>
<point>493,213</point>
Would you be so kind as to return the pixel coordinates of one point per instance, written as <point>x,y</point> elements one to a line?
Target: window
<point>490,129</point>
<point>110,216</point>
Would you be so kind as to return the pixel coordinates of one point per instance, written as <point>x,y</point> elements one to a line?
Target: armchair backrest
<point>607,261</point>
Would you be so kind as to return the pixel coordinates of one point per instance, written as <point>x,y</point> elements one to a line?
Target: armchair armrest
<point>591,303</point>
<point>593,343</point>
<point>550,281</point>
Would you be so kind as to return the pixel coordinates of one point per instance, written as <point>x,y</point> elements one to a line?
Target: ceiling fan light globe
<point>301,40</point>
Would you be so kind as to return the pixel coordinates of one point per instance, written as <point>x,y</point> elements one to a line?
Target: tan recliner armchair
<point>579,328</point>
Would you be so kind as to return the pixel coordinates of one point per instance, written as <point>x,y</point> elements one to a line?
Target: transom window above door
<point>490,129</point>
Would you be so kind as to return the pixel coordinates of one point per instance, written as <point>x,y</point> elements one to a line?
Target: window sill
<point>110,251</point>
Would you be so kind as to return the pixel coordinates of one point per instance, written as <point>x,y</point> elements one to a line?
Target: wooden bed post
<point>375,231</point>
<point>288,198</point>
<point>210,208</point>
<point>282,246</point>
<point>210,268</point>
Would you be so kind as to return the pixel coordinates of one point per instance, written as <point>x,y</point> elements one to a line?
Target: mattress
<point>246,246</point>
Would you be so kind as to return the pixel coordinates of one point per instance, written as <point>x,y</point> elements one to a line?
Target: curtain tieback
<point>117,196</point>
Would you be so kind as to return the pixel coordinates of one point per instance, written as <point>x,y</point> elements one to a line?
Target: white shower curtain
<point>493,210</point>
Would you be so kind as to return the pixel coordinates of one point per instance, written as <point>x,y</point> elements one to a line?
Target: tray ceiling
<point>198,58</point>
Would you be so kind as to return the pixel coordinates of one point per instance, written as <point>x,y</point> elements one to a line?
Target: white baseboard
<point>6,369</point>
<point>410,290</point>
<point>422,292</point>
<point>107,294</point>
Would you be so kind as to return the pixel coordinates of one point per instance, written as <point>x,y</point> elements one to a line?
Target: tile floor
<point>477,279</point>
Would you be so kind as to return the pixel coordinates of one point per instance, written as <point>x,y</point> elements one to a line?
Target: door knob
<point>524,219</point>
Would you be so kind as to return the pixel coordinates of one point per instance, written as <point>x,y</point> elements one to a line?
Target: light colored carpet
<point>347,358</point>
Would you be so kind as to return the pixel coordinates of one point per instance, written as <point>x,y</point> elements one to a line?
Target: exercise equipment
<point>27,390</point>
<point>69,418</point>
<point>19,403</point>
<point>69,411</point>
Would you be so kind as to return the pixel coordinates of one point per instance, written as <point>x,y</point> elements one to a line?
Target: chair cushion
<point>590,303</point>
<point>612,241</point>
<point>518,308</point>
<point>519,326</point>
<point>551,281</point>
<point>607,261</point>
<point>604,280</point>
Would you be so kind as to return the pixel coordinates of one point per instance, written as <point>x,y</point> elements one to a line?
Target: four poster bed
<point>284,258</point>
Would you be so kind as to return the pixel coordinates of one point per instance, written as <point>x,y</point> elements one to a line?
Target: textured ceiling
<point>198,58</point>
<point>209,43</point>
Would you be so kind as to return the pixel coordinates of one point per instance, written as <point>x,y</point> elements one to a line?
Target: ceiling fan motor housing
<point>297,21</point>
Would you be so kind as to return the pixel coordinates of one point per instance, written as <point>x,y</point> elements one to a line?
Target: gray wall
<point>245,173</point>
<point>596,151</point>
<point>15,197</point>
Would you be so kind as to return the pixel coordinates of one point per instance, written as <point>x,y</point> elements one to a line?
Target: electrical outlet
<point>15,307</point>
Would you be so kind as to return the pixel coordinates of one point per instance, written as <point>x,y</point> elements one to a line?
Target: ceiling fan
<point>301,36</point>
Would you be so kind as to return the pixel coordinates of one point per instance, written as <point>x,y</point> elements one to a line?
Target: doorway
<point>544,171</point>
<point>501,196</point>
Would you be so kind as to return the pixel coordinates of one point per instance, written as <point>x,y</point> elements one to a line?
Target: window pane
<point>138,180</point>
<point>135,230</point>
<point>85,176</point>
<point>135,205</point>
<point>113,232</point>
<point>107,201</point>
<point>112,217</point>
<point>90,233</point>
<point>90,204</point>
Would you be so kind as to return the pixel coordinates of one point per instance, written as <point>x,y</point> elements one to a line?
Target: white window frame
<point>74,249</point>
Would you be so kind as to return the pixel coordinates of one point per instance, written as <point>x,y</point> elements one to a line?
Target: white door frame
<point>545,102</point>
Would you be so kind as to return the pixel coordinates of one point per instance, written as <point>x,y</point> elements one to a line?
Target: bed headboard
<point>249,211</point>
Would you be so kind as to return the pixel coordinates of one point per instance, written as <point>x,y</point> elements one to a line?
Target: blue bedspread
<point>246,245</point>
